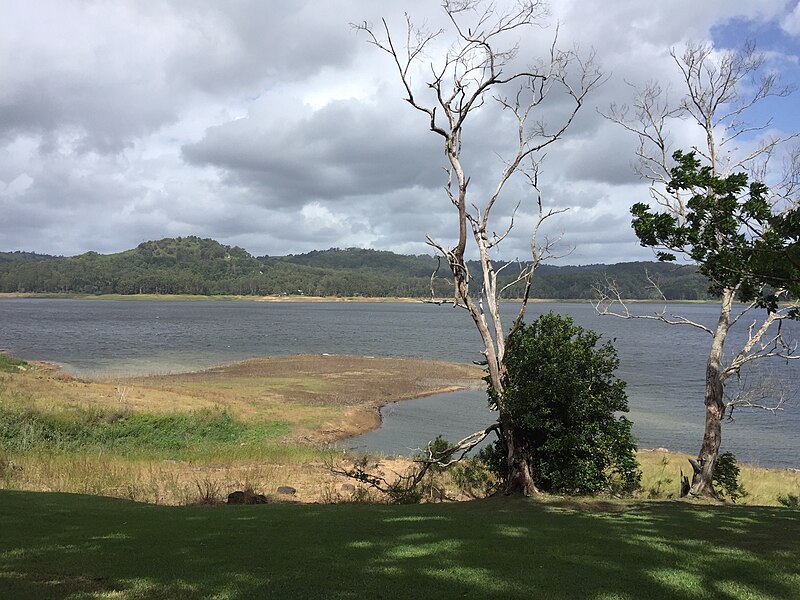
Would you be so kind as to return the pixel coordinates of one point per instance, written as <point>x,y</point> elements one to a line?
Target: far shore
<point>302,298</point>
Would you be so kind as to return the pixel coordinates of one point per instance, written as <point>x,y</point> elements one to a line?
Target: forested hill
<point>191,265</point>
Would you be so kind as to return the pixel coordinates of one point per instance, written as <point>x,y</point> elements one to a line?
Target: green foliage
<point>729,229</point>
<point>10,364</point>
<point>170,434</point>
<point>437,450</point>
<point>494,457</point>
<point>191,265</point>
<point>475,478</point>
<point>726,477</point>
<point>790,501</point>
<point>406,491</point>
<point>562,394</point>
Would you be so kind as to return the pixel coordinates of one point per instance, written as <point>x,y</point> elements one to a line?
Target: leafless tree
<point>717,92</point>
<point>477,69</point>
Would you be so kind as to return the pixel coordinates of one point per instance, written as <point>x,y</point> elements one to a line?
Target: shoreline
<point>319,399</point>
<point>329,397</point>
<point>315,299</point>
<point>360,413</point>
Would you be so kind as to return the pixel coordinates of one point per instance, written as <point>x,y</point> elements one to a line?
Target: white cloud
<point>277,127</point>
<point>791,22</point>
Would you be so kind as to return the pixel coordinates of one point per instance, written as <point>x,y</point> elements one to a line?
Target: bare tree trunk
<point>461,80</point>
<point>520,479</point>
<point>703,467</point>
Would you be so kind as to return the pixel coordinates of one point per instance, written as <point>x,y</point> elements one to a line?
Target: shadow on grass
<point>69,546</point>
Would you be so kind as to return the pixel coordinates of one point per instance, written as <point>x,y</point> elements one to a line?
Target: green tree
<point>729,228</point>
<point>713,207</point>
<point>562,395</point>
<point>467,75</point>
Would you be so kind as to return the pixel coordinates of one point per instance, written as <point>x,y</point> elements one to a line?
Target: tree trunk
<point>703,467</point>
<point>519,480</point>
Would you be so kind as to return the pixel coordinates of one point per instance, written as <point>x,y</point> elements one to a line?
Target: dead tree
<point>476,70</point>
<point>718,89</point>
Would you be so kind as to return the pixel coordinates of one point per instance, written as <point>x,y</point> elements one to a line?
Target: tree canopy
<point>729,229</point>
<point>562,394</point>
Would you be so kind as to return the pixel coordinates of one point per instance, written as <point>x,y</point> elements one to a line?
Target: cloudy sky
<point>276,127</point>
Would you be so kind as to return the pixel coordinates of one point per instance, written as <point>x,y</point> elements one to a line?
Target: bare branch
<point>609,302</point>
<point>459,85</point>
<point>766,393</point>
<point>457,451</point>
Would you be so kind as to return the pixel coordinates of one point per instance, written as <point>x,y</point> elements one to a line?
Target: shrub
<point>726,478</point>
<point>9,364</point>
<point>474,478</point>
<point>563,396</point>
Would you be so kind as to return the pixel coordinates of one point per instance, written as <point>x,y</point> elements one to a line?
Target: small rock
<point>287,489</point>
<point>246,497</point>
<point>237,497</point>
<point>348,488</point>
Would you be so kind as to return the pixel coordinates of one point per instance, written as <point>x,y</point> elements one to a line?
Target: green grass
<point>158,435</point>
<point>72,546</point>
<point>9,364</point>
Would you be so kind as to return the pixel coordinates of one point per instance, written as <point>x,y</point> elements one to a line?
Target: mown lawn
<point>73,546</point>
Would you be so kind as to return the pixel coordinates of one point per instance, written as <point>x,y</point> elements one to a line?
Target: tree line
<point>191,265</point>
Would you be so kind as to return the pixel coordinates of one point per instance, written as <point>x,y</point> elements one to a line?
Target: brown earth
<point>326,397</point>
<point>323,398</point>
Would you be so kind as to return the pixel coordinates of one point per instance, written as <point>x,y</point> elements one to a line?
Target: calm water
<point>663,365</point>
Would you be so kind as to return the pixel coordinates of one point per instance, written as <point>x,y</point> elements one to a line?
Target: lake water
<point>663,365</point>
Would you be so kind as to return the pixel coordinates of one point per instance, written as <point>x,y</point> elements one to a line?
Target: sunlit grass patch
<point>661,479</point>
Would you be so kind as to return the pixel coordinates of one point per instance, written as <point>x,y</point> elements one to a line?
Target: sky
<point>276,127</point>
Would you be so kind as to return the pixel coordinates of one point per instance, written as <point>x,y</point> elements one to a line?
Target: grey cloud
<point>244,42</point>
<point>119,123</point>
<point>103,117</point>
<point>342,150</point>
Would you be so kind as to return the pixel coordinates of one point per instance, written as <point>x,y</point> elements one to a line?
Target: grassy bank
<point>262,423</point>
<point>180,436</point>
<point>175,439</point>
<point>69,546</point>
<point>319,398</point>
<point>762,486</point>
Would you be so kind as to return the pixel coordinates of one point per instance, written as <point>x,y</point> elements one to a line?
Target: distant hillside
<point>191,265</point>
<point>19,256</point>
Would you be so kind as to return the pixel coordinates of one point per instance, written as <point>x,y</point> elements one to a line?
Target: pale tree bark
<point>467,76</point>
<point>718,90</point>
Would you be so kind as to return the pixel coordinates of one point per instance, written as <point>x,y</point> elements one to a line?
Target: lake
<point>663,365</point>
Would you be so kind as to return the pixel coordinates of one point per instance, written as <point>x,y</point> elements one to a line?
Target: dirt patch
<point>323,398</point>
<point>327,397</point>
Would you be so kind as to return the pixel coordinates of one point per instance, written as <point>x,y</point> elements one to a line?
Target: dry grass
<point>323,398</point>
<point>306,470</point>
<point>180,483</point>
<point>661,478</point>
